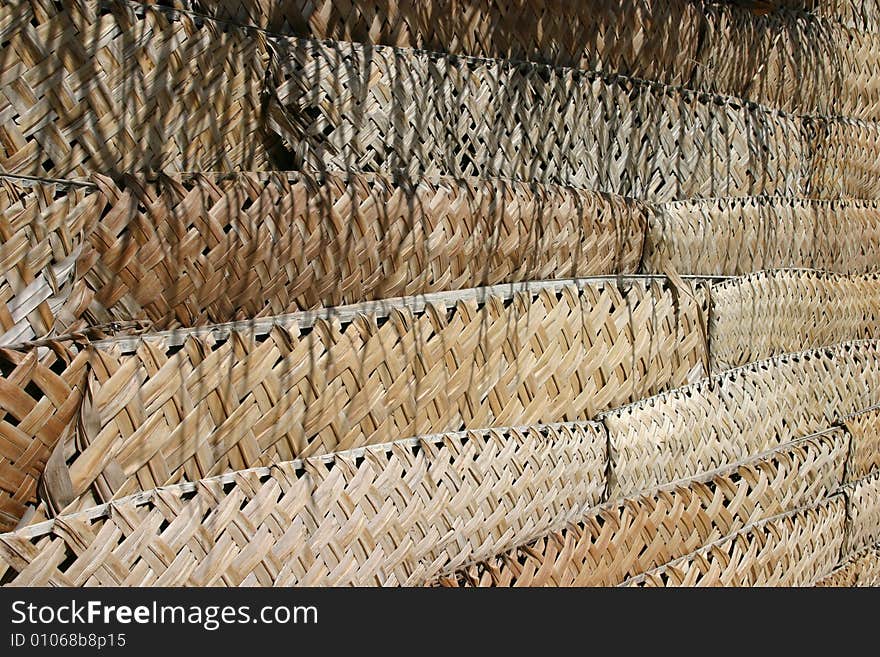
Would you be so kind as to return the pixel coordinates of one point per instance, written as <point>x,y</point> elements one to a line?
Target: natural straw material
<point>733,236</point>
<point>862,569</point>
<point>44,229</point>
<point>40,391</point>
<point>113,86</point>
<point>194,250</point>
<point>726,418</point>
<point>845,159</point>
<point>654,39</point>
<point>770,313</point>
<point>394,514</point>
<point>794,62</point>
<point>791,61</point>
<point>341,105</point>
<point>863,513</point>
<point>864,427</point>
<point>628,537</point>
<point>191,404</point>
<point>795,549</point>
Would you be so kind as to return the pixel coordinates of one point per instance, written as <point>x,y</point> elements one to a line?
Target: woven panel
<point>859,14</point>
<point>865,452</point>
<point>43,230</point>
<point>745,411</point>
<point>392,514</point>
<point>192,404</point>
<point>630,536</point>
<point>797,63</point>
<point>373,108</point>
<point>795,549</point>
<point>655,39</point>
<point>863,510</point>
<point>793,62</point>
<point>845,160</point>
<point>862,569</point>
<point>40,392</point>
<point>734,236</point>
<point>207,249</point>
<point>770,313</point>
<point>113,86</point>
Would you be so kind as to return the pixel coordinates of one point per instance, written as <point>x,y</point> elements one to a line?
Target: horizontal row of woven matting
<point>80,87</point>
<point>771,501</point>
<point>194,402</point>
<point>194,250</point>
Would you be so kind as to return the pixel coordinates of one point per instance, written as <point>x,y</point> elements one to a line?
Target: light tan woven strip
<point>740,235</point>
<point>339,105</point>
<point>794,62</point>
<point>121,87</point>
<point>863,511</point>
<point>40,393</point>
<point>864,427</point>
<point>859,14</point>
<point>770,313</point>
<point>862,569</point>
<point>629,536</point>
<point>744,411</point>
<point>205,249</point>
<point>389,514</point>
<point>794,549</point>
<point>845,160</point>
<point>228,401</point>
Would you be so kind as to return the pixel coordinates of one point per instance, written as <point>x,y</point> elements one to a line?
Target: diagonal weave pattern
<point>112,86</point>
<point>734,236</point>
<point>40,393</point>
<point>630,536</point>
<point>862,569</point>
<point>864,427</point>
<point>394,514</point>
<point>193,250</point>
<point>724,419</point>
<point>43,230</point>
<point>845,161</point>
<point>340,105</point>
<point>770,313</point>
<point>863,511</point>
<point>792,62</point>
<point>657,39</point>
<point>186,405</point>
<point>795,549</point>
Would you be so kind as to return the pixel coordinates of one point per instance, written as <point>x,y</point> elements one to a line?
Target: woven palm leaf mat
<point>114,87</point>
<point>793,62</point>
<point>770,313</point>
<point>40,394</point>
<point>862,569</point>
<point>725,418</point>
<point>287,524</point>
<point>629,536</point>
<point>190,404</point>
<point>859,14</point>
<point>864,427</point>
<point>733,236</point>
<point>341,105</point>
<point>193,250</point>
<point>344,106</point>
<point>390,514</point>
<point>863,511</point>
<point>844,161</point>
<point>795,549</point>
